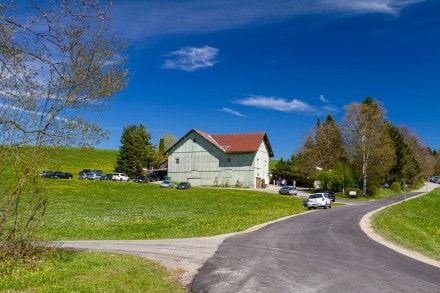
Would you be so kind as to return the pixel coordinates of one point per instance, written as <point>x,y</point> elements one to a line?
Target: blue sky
<point>275,66</point>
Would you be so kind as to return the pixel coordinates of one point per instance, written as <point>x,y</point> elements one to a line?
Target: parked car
<point>288,189</point>
<point>183,185</point>
<point>120,177</point>
<point>167,184</point>
<point>330,194</point>
<point>141,179</point>
<point>82,176</point>
<point>153,177</point>
<point>94,175</point>
<point>84,172</point>
<point>61,175</point>
<point>317,200</point>
<point>106,177</point>
<point>46,174</point>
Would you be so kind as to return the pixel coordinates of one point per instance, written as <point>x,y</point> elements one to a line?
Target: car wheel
<point>325,207</point>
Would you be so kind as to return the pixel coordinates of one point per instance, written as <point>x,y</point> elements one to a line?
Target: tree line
<point>365,150</point>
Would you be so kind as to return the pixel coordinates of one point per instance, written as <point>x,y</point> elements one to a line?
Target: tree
<point>166,141</point>
<point>367,141</point>
<point>329,144</point>
<point>405,165</point>
<point>136,152</point>
<point>323,149</point>
<point>57,63</point>
<point>425,161</point>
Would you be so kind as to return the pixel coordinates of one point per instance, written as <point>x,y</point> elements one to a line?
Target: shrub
<point>395,186</point>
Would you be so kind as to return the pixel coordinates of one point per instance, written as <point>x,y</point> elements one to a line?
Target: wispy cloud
<point>191,58</point>
<point>323,99</point>
<point>233,112</point>
<point>140,20</point>
<point>278,104</point>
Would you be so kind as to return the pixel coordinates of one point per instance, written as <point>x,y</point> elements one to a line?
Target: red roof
<point>238,143</point>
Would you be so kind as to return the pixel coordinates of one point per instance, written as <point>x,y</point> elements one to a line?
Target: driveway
<point>321,251</point>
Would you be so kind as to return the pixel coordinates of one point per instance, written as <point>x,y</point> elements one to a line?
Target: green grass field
<point>80,209</point>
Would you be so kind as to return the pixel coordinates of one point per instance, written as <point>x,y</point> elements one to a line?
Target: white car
<point>120,177</point>
<point>317,200</point>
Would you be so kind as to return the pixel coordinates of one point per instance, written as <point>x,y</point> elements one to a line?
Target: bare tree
<point>422,155</point>
<point>57,63</point>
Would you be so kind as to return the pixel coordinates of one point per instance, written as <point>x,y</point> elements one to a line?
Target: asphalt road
<point>322,251</point>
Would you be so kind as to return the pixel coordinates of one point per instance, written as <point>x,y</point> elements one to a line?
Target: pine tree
<point>136,152</point>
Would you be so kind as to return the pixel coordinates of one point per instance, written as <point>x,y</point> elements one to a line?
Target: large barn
<point>223,160</point>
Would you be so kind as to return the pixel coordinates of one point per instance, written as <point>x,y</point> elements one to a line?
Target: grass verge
<point>67,271</point>
<point>413,224</point>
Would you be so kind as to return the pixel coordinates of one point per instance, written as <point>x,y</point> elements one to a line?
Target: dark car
<point>330,194</point>
<point>106,177</point>
<point>153,177</point>
<point>183,185</point>
<point>61,175</point>
<point>141,179</point>
<point>84,172</point>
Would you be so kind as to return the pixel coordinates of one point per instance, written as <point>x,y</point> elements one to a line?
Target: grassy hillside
<point>414,224</point>
<point>74,160</point>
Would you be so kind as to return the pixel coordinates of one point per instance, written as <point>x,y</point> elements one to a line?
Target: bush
<point>395,186</point>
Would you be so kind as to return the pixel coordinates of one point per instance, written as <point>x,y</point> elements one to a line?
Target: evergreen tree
<point>136,152</point>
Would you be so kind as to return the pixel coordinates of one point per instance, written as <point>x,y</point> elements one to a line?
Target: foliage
<point>323,150</point>
<point>57,62</point>
<point>413,224</point>
<point>425,162</point>
<point>405,165</point>
<point>396,186</point>
<point>166,141</point>
<point>329,144</point>
<point>368,142</point>
<point>136,152</point>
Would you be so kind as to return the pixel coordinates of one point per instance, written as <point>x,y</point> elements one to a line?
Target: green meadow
<point>79,209</point>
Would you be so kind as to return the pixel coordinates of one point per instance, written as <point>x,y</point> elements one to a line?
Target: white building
<point>223,160</point>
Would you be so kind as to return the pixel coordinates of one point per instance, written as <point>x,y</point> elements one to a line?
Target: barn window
<point>177,161</point>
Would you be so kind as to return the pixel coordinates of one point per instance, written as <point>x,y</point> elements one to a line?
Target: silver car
<point>317,200</point>
<point>288,189</point>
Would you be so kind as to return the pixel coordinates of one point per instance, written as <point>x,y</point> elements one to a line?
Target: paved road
<point>322,251</point>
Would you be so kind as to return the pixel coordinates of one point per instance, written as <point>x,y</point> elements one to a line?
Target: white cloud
<point>191,58</point>
<point>278,104</point>
<point>140,20</point>
<point>323,99</point>
<point>233,112</point>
